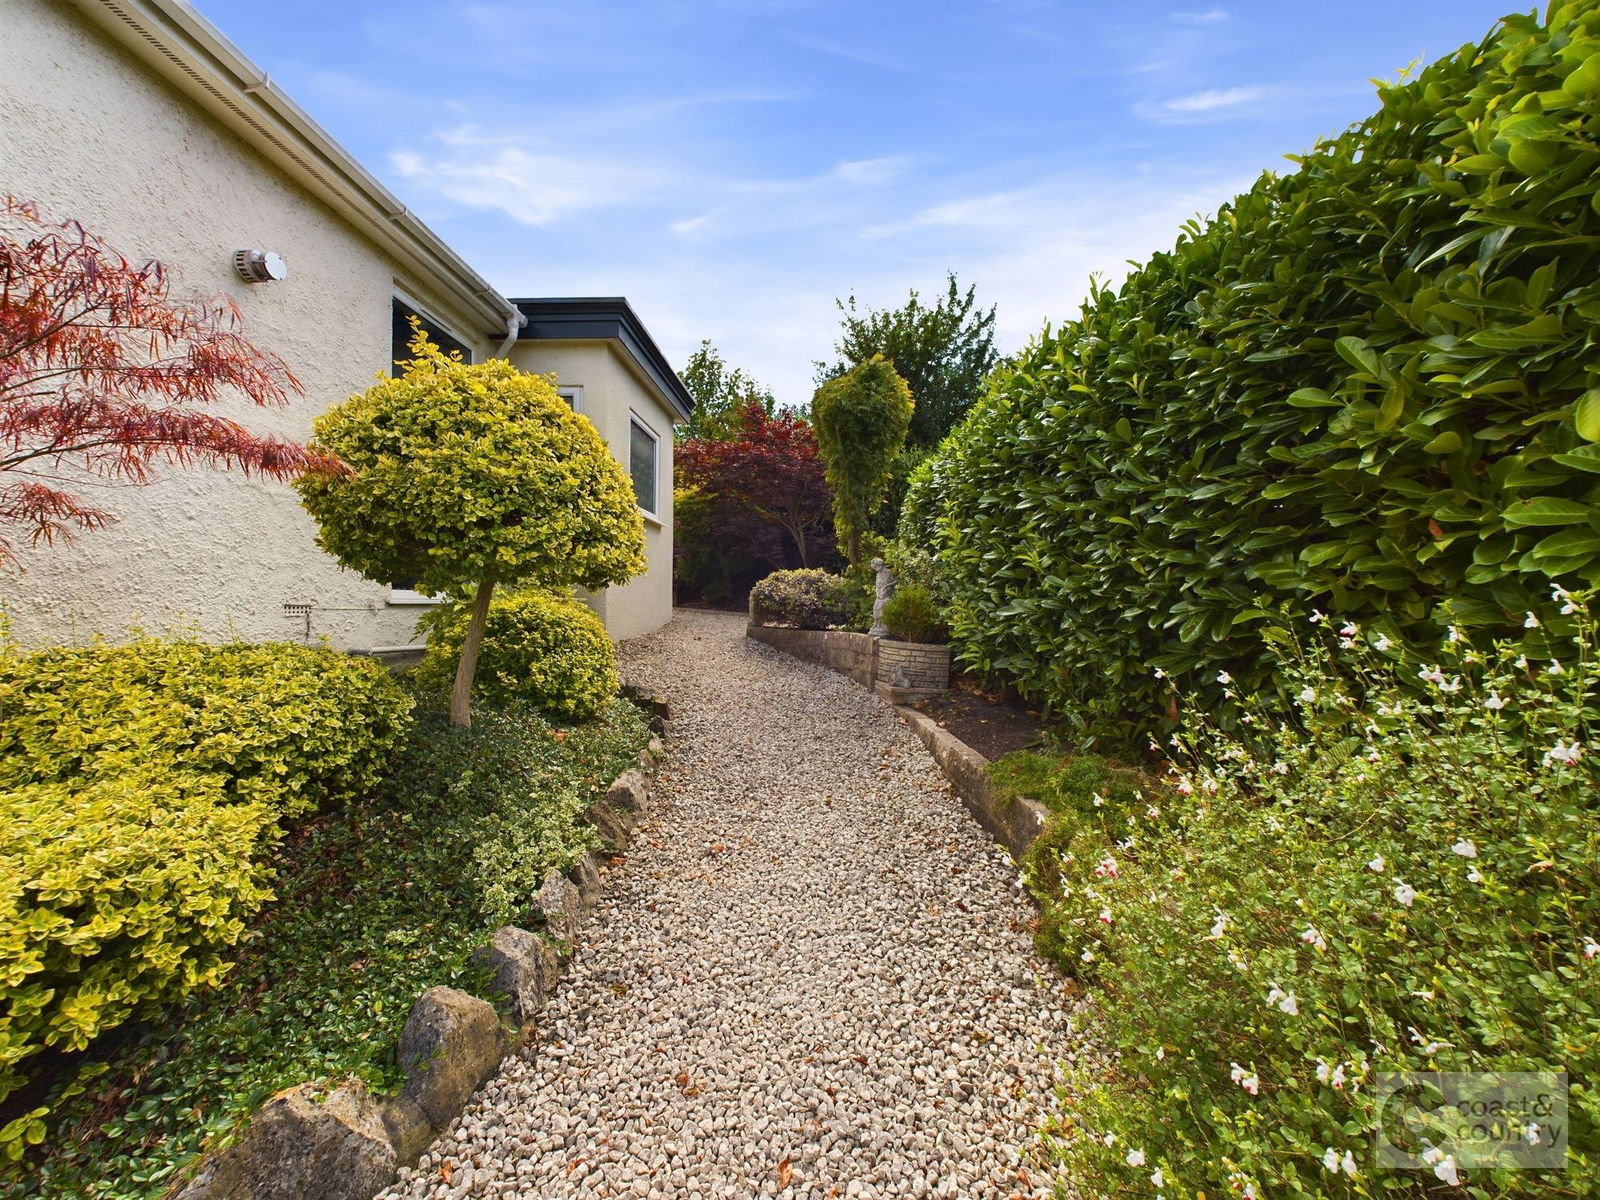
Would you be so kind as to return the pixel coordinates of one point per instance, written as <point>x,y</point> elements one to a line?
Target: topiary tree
<point>465,475</point>
<point>860,419</point>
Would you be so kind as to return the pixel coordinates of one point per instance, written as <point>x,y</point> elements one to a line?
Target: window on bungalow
<point>400,348</point>
<point>643,446</point>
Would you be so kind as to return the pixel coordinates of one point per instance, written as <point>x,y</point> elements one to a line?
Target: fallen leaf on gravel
<point>445,1171</point>
<point>784,1172</point>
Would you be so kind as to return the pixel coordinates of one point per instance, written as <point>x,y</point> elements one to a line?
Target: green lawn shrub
<point>910,615</point>
<point>542,649</point>
<point>1370,386</point>
<point>1380,881</point>
<point>141,788</point>
<point>805,599</point>
<point>376,902</point>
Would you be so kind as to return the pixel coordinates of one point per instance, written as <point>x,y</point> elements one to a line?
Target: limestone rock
<point>614,824</point>
<point>629,792</point>
<point>558,906</point>
<point>451,1043</point>
<point>585,876</point>
<point>408,1127</point>
<point>525,970</point>
<point>299,1146</point>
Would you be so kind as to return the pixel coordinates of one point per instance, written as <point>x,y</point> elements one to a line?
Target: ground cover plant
<point>1369,387</point>
<point>376,902</point>
<point>1380,880</point>
<point>143,787</point>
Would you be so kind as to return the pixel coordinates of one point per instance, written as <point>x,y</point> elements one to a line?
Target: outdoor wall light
<point>260,266</point>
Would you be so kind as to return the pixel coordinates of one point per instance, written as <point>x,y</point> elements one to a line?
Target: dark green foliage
<point>910,615</point>
<point>376,902</point>
<point>860,420</point>
<point>805,599</point>
<point>943,353</point>
<point>886,521</point>
<point>1368,387</point>
<point>545,650</point>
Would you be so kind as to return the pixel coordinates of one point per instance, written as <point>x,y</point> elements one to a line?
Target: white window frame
<point>655,482</point>
<point>407,596</point>
<point>572,393</point>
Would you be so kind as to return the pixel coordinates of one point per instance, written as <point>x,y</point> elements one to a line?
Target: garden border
<point>309,1142</point>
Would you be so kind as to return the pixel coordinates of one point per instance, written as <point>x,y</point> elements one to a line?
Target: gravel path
<point>811,978</point>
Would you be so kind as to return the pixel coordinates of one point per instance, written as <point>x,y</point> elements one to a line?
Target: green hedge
<point>141,787</point>
<point>541,649</point>
<point>1368,387</point>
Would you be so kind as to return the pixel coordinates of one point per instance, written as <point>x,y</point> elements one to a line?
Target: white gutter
<point>190,52</point>
<point>513,327</point>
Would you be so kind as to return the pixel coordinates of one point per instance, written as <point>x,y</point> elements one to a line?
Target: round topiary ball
<point>539,648</point>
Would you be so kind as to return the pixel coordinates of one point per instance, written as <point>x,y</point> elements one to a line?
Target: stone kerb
<point>312,1143</point>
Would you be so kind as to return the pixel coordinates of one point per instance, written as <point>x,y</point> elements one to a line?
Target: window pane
<point>642,466</point>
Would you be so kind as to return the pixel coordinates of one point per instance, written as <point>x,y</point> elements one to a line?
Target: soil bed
<point>992,726</point>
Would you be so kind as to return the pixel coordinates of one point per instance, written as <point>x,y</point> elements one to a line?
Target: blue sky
<point>732,166</point>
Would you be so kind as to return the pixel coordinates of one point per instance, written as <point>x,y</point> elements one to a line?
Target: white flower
<point>1284,1000</point>
<point>1453,634</point>
<point>1224,677</point>
<point>1376,864</point>
<point>1324,1071</point>
<point>1039,816</point>
<point>1106,869</point>
<point>1429,1046</point>
<point>1330,1160</point>
<point>1453,686</point>
<point>1220,925</point>
<point>1248,1080</point>
<point>1135,1158</point>
<point>1317,617</point>
<point>1087,956</point>
<point>1382,643</point>
<point>1099,800</point>
<point>1185,787</point>
<point>1530,1134</point>
<point>1465,848</point>
<point>1152,811</point>
<point>1431,675</point>
<point>1522,662</point>
<point>1474,875</point>
<point>1157,1178</point>
<point>1555,668</point>
<point>1373,755</point>
<point>1590,947</point>
<point>1280,767</point>
<point>1531,623</point>
<point>1337,1078</point>
<point>1159,673</point>
<point>1308,694</point>
<point>1494,703</point>
<point>1349,629</point>
<point>1250,1192</point>
<point>1347,1164</point>
<point>1563,753</point>
<point>1404,894</point>
<point>1105,916</point>
<point>1445,1169</point>
<point>1111,1139</point>
<point>1161,1053</point>
<point>1313,937</point>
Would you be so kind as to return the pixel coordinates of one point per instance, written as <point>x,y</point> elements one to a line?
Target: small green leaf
<point>1586,415</point>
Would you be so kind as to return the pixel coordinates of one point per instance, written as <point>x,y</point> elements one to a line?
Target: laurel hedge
<point>1367,387</point>
<point>141,789</point>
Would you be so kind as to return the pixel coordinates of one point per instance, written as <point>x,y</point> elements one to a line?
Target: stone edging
<point>312,1143</point>
<point>1013,824</point>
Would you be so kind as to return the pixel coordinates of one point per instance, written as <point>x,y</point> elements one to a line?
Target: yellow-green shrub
<point>540,648</point>
<point>140,792</point>
<point>295,727</point>
<point>116,896</point>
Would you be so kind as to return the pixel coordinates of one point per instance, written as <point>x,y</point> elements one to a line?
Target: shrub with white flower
<point>1401,875</point>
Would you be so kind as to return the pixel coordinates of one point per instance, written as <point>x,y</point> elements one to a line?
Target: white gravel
<point>811,977</point>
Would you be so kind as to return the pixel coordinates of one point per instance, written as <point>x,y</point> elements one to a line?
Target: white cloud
<point>533,188</point>
<point>1214,99</point>
<point>870,170</point>
<point>1210,16</point>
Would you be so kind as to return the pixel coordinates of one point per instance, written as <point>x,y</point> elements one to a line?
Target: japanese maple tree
<point>103,372</point>
<point>768,469</point>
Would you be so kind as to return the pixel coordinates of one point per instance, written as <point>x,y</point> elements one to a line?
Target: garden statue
<point>886,584</point>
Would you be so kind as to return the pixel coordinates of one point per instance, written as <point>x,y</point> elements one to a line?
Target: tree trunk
<point>853,547</point>
<point>461,695</point>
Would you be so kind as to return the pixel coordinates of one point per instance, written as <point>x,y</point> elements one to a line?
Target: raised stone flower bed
<point>908,671</point>
<point>313,1143</point>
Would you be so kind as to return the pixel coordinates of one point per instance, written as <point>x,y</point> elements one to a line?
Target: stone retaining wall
<point>851,654</point>
<point>912,670</point>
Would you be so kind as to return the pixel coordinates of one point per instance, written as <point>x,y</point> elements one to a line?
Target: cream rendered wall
<point>90,134</point>
<point>612,392</point>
